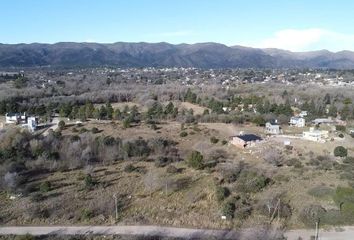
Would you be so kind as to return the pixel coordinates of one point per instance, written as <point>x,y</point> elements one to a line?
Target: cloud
<point>308,39</point>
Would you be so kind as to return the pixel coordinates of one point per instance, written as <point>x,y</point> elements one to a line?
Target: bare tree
<point>152,181</point>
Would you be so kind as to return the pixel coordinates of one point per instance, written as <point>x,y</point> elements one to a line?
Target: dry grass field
<point>149,195</point>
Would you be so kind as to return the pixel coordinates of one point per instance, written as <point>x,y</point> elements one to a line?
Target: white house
<point>32,124</point>
<point>12,118</point>
<point>297,121</point>
<point>272,127</point>
<point>315,135</point>
<point>303,114</point>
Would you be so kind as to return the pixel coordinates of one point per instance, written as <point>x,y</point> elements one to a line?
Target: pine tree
<point>109,111</point>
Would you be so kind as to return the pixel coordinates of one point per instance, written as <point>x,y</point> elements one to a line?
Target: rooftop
<point>249,137</point>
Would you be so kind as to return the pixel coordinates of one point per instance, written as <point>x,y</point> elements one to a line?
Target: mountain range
<point>200,55</point>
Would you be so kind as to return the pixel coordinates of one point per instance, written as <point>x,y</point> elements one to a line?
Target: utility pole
<point>116,204</point>
<point>317,230</point>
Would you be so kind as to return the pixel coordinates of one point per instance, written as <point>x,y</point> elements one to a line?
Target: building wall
<point>238,142</point>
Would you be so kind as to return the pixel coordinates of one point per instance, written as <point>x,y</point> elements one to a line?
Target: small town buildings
<point>315,135</point>
<point>297,121</point>
<point>273,127</point>
<point>245,140</point>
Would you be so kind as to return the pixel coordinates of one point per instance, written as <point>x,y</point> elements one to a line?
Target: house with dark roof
<point>272,127</point>
<point>245,140</point>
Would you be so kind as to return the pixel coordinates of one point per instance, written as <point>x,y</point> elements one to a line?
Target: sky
<point>296,25</point>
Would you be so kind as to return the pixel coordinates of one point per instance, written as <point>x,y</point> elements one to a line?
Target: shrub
<point>312,214</point>
<point>74,138</point>
<point>83,130</point>
<point>109,141</point>
<point>25,237</point>
<point>340,128</point>
<point>172,169</point>
<point>321,191</point>
<point>61,125</point>
<point>224,142</point>
<point>95,130</point>
<point>341,135</point>
<point>74,130</point>
<point>162,161</point>
<point>349,160</point>
<point>137,148</point>
<point>37,197</point>
<point>221,193</point>
<point>292,162</point>
<point>88,181</point>
<point>214,140</point>
<point>243,212</point>
<point>86,214</point>
<point>129,168</point>
<point>127,123</point>
<point>45,187</point>
<point>154,127</point>
<point>343,195</point>
<point>179,184</point>
<point>273,157</point>
<point>289,147</point>
<point>228,210</point>
<point>250,181</point>
<point>195,160</point>
<point>183,134</point>
<point>29,189</point>
<point>340,151</point>
<point>275,204</point>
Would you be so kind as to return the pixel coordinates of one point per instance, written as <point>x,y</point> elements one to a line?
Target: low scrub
<point>321,191</point>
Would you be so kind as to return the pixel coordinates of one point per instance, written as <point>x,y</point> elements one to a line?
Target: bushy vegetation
<point>214,140</point>
<point>221,193</point>
<point>195,160</point>
<point>251,182</point>
<point>45,187</point>
<point>340,151</point>
<point>183,134</point>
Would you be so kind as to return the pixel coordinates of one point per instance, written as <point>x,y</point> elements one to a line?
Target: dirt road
<point>343,233</point>
<point>116,230</point>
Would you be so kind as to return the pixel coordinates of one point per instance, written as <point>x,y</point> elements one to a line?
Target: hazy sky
<point>297,25</point>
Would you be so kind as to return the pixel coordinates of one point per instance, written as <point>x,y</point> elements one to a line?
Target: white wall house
<point>315,135</point>
<point>297,122</point>
<point>11,118</point>
<point>15,118</point>
<point>273,128</point>
<point>32,124</point>
<point>303,114</point>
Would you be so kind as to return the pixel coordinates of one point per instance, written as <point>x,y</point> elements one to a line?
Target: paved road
<point>342,233</point>
<point>346,233</point>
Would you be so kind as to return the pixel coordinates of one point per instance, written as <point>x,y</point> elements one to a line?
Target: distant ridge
<point>200,55</point>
